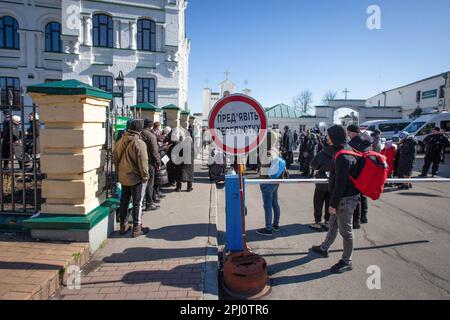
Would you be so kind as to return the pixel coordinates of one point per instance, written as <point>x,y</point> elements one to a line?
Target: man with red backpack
<point>343,200</point>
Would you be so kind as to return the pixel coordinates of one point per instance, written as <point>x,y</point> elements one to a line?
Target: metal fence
<point>20,176</point>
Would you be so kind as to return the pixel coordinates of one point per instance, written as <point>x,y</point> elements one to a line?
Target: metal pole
<point>22,139</point>
<point>35,160</point>
<point>11,149</point>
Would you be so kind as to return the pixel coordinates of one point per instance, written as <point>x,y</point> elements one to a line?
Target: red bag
<point>373,174</point>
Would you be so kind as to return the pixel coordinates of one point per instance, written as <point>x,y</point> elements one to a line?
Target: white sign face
<point>70,17</point>
<point>237,124</point>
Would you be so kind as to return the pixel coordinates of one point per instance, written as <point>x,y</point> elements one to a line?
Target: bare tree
<point>328,96</point>
<point>303,102</point>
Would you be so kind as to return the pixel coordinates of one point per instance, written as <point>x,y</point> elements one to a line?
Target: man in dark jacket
<point>131,163</point>
<point>360,145</point>
<point>405,158</point>
<point>343,200</point>
<point>322,164</point>
<point>153,162</point>
<point>287,147</point>
<point>434,145</point>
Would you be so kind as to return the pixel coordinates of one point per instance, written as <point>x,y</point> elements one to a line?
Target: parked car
<point>422,127</point>
<point>388,128</point>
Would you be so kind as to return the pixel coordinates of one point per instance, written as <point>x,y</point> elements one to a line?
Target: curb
<point>211,280</point>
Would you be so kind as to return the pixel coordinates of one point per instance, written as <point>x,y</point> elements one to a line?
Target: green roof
<point>171,107</point>
<point>283,111</point>
<point>69,87</point>
<point>186,112</point>
<point>146,106</point>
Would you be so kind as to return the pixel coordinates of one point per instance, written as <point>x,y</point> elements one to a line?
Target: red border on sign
<point>237,98</point>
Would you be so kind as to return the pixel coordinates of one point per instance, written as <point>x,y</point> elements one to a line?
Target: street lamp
<point>121,85</point>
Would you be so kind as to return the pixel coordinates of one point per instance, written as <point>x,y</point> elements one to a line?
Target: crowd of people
<point>144,161</point>
<point>17,145</point>
<point>338,205</point>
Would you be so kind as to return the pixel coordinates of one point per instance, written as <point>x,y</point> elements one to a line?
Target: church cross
<point>346,91</point>
<point>226,75</point>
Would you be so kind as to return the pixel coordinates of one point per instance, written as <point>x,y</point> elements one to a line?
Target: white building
<point>428,94</point>
<point>210,98</point>
<point>145,39</point>
<point>282,115</point>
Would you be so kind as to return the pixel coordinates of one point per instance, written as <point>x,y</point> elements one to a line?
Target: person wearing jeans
<point>137,193</point>
<point>131,164</point>
<point>271,209</point>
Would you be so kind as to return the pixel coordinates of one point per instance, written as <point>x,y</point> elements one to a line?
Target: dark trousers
<point>361,211</point>
<point>429,160</point>
<point>149,195</point>
<point>321,198</point>
<point>137,194</point>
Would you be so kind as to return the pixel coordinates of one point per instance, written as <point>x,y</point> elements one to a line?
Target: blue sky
<point>282,47</point>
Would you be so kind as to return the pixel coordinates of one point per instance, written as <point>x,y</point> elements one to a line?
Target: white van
<point>388,128</point>
<point>422,127</point>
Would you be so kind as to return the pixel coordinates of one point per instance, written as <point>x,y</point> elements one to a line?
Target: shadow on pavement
<point>27,265</point>
<point>180,232</point>
<point>300,278</point>
<point>421,194</point>
<point>150,254</point>
<point>286,231</point>
<point>181,276</point>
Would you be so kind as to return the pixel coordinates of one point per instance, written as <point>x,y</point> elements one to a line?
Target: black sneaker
<point>341,267</point>
<point>264,232</point>
<point>151,207</point>
<point>276,228</point>
<point>356,226</point>
<point>319,250</point>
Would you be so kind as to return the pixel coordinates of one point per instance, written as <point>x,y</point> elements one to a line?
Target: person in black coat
<point>287,147</point>
<point>434,145</point>
<point>11,139</point>
<point>344,198</point>
<point>361,145</point>
<point>405,157</point>
<point>181,141</point>
<point>308,151</point>
<point>322,164</point>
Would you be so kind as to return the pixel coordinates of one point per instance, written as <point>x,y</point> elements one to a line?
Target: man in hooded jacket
<point>131,162</point>
<point>343,200</point>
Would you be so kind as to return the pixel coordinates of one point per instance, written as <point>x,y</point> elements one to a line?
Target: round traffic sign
<point>237,124</point>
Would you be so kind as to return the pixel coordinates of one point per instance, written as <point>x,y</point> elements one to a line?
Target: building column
<point>172,116</point>
<point>73,159</point>
<point>117,32</point>
<point>88,30</point>
<point>184,119</point>
<point>133,35</point>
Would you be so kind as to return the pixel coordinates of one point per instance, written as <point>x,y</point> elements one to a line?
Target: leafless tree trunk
<point>328,96</point>
<point>303,102</point>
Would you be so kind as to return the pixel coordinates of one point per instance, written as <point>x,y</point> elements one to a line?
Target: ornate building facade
<point>93,41</point>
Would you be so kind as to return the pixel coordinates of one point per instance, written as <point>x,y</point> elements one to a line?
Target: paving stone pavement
<point>31,270</point>
<point>171,262</point>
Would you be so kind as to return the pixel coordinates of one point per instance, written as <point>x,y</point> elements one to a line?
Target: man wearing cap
<point>11,130</point>
<point>131,163</point>
<point>361,145</point>
<point>150,139</point>
<point>343,200</point>
<point>434,145</point>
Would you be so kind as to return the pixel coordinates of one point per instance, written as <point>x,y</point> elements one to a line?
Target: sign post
<point>238,125</point>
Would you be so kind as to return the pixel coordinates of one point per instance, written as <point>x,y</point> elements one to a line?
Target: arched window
<point>103,31</point>
<point>9,33</point>
<point>53,42</point>
<point>146,35</point>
